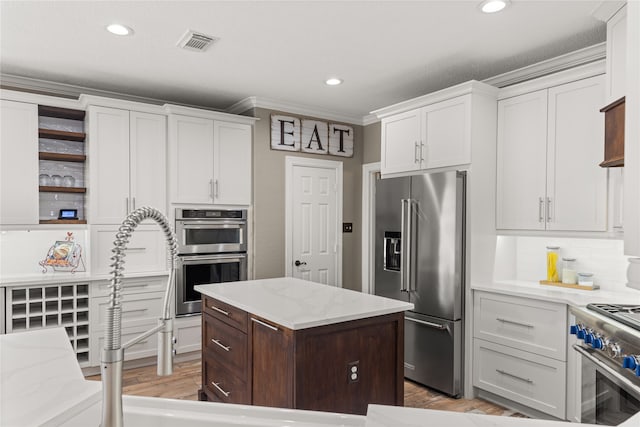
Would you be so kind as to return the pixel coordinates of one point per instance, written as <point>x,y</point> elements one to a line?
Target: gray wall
<point>269,202</point>
<point>372,139</point>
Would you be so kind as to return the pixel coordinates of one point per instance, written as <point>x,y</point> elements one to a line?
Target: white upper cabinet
<point>127,163</point>
<point>18,163</point>
<point>231,163</point>
<point>616,56</point>
<point>210,160</point>
<point>521,161</point>
<point>191,159</point>
<point>549,148</point>
<point>436,135</point>
<point>401,142</point>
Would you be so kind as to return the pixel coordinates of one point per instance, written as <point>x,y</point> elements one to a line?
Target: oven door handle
<point>615,376</point>
<point>215,259</point>
<point>206,225</point>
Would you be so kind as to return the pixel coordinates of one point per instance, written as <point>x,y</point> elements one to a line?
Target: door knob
<point>298,263</point>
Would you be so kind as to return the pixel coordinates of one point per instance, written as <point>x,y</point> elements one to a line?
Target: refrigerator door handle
<point>429,324</point>
<point>411,262</point>
<point>404,250</point>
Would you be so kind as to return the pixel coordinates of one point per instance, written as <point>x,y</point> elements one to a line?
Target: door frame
<point>370,172</point>
<point>290,163</point>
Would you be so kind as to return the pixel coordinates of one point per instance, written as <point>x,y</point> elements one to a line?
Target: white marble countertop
<point>299,304</point>
<point>61,277</point>
<point>575,297</point>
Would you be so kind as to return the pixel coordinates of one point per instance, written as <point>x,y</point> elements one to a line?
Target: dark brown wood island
<point>291,343</point>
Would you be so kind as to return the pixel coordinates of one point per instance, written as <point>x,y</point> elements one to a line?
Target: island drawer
<point>223,385</point>
<point>523,323</point>
<point>226,345</point>
<point>227,313</point>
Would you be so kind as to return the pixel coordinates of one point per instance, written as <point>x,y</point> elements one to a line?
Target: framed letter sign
<point>285,133</point>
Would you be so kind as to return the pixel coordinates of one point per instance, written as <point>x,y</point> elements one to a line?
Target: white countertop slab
<point>300,304</point>
<point>575,297</point>
<point>39,377</point>
<point>61,277</point>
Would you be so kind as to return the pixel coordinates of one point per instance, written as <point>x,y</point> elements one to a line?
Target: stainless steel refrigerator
<point>419,257</point>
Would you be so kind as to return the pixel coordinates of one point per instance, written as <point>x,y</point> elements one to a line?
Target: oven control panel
<point>599,341</point>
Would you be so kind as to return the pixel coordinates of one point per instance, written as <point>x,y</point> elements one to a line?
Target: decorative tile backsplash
<point>524,258</point>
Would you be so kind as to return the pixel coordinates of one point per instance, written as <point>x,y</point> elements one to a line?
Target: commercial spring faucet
<point>113,353</point>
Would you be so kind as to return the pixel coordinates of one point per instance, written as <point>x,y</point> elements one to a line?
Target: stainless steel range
<point>608,341</point>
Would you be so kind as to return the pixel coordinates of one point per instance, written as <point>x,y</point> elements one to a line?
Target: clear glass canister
<point>552,263</point>
<point>569,276</point>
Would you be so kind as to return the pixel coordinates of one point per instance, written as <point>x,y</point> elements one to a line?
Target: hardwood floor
<point>185,382</point>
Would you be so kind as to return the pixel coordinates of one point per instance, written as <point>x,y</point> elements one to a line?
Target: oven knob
<point>597,343</point>
<point>638,371</point>
<point>580,334</point>
<point>588,338</point>
<point>574,329</point>
<point>629,362</point>
<point>613,350</point>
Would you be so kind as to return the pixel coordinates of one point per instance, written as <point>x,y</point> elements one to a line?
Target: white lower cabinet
<point>531,380</point>
<point>145,253</point>
<point>188,333</point>
<point>520,350</point>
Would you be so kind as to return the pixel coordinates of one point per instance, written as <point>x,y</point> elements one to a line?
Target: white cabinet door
<point>521,162</point>
<point>401,142</point>
<point>232,163</point>
<point>446,128</point>
<point>108,165</point>
<point>18,163</point>
<point>576,184</point>
<point>148,154</point>
<point>191,159</point>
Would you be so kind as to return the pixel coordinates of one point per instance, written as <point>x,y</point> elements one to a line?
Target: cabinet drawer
<point>227,345</point>
<point>146,251</point>
<point>131,286</point>
<point>531,380</point>
<point>227,313</point>
<point>527,324</point>
<point>146,348</point>
<point>225,386</point>
<point>137,309</point>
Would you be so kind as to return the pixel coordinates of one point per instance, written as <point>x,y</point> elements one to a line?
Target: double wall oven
<point>212,248</point>
<point>608,342</point>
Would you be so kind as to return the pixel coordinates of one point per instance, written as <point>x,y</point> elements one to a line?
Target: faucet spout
<point>113,352</point>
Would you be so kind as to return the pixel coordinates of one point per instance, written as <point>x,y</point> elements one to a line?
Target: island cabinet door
<point>272,367</point>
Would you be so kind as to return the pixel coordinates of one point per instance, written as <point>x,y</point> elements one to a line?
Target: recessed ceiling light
<point>119,30</point>
<point>333,81</point>
<point>492,6</point>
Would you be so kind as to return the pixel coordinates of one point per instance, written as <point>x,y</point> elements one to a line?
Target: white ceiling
<point>386,51</point>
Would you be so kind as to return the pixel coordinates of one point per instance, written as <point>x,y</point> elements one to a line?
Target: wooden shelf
<point>60,113</point>
<point>62,157</point>
<point>52,189</point>
<point>60,134</point>
<point>63,221</point>
<point>566,285</point>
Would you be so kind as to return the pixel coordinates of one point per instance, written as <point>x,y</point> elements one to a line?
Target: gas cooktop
<point>627,314</point>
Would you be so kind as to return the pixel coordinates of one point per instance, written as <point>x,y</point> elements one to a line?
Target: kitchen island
<point>291,343</point>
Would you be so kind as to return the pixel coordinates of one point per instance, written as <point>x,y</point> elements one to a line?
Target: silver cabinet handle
<point>126,205</point>
<point>226,393</point>
<point>219,310</point>
<point>422,148</point>
<point>211,188</point>
<point>215,191</point>
<point>548,209</point>
<point>133,202</point>
<point>527,380</point>
<point>415,152</point>
<point>135,249</point>
<point>141,310</point>
<point>219,344</point>
<point>500,319</point>
<point>540,209</point>
<point>273,328</point>
<point>429,324</point>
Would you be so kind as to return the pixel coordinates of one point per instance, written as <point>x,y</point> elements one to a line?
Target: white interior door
<point>314,215</point>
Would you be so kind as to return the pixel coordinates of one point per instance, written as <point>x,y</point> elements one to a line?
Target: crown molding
<point>587,55</point>
<point>605,10</point>
<point>304,110</point>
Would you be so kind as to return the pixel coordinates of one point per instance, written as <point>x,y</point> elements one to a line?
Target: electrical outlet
<point>353,371</point>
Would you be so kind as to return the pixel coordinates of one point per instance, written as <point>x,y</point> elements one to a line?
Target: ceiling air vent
<point>193,40</point>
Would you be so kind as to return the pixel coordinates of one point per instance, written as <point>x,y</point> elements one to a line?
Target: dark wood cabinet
<point>339,367</point>
<point>614,134</point>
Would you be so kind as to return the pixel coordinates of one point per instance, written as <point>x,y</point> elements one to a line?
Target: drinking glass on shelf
<point>57,180</point>
<point>68,181</point>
